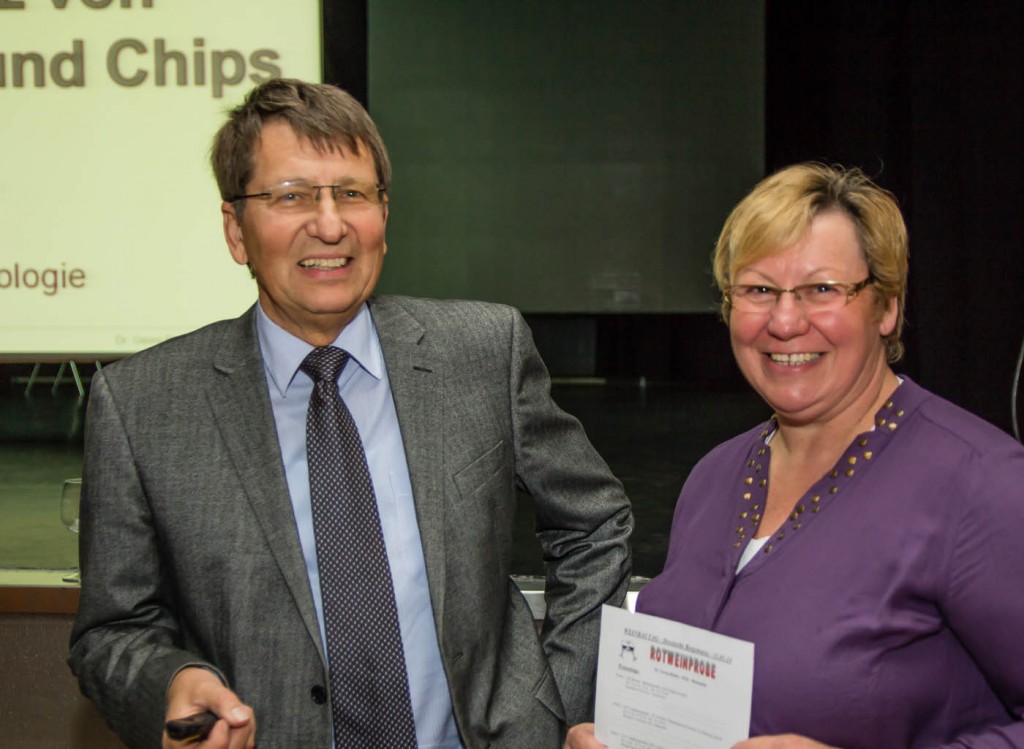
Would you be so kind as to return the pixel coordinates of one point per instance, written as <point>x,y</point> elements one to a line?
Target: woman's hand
<point>582,737</point>
<point>781,741</point>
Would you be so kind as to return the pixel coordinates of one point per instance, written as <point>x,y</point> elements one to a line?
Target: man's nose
<point>328,222</point>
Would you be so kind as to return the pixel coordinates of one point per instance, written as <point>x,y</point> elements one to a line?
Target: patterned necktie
<point>369,684</point>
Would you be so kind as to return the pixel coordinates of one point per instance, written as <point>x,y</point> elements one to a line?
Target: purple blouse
<point>886,611</point>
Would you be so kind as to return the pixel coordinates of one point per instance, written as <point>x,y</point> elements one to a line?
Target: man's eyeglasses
<point>301,198</point>
<point>821,295</point>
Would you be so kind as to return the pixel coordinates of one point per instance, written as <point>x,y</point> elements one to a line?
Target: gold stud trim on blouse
<point>750,520</point>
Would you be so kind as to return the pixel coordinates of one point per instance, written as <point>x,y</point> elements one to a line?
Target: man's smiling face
<point>314,270</point>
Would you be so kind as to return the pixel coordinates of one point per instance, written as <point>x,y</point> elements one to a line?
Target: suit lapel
<point>241,407</point>
<point>416,376</point>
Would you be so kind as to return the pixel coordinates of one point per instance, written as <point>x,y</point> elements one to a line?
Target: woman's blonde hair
<point>779,211</point>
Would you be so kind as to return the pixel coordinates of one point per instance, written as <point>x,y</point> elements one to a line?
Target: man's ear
<point>233,233</point>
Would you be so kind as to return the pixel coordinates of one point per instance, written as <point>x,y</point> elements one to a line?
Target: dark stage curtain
<point>928,97</point>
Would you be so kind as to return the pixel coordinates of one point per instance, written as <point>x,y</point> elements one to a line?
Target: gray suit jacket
<point>190,554</point>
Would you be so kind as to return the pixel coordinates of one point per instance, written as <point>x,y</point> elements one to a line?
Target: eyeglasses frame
<point>853,290</point>
<point>381,190</point>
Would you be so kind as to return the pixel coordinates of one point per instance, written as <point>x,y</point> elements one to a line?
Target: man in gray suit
<point>201,589</point>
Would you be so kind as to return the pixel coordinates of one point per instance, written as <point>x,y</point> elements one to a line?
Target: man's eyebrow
<point>340,181</point>
<point>354,181</point>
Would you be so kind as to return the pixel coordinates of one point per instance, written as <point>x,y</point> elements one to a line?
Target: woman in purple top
<point>868,539</point>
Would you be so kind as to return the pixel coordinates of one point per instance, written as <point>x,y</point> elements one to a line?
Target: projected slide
<point>110,228</point>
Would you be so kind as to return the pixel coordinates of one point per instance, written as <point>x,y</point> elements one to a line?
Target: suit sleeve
<point>125,642</point>
<point>583,522</point>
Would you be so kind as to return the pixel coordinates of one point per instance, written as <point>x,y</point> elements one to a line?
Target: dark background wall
<point>564,156</point>
<point>926,97</point>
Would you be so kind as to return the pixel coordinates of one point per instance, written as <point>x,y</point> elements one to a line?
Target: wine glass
<point>70,498</point>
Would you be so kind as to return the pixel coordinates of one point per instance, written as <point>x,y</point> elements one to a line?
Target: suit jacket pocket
<point>474,477</point>
<point>525,709</point>
<point>485,511</point>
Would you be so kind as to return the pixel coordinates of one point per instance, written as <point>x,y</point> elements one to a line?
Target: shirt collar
<point>284,352</point>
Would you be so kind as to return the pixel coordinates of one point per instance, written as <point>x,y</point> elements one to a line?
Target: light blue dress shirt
<point>365,389</point>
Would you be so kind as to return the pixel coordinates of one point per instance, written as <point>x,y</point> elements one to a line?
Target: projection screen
<point>111,233</point>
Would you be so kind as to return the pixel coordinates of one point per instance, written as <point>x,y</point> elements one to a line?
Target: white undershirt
<point>753,546</point>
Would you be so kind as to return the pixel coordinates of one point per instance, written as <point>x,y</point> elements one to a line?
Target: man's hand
<point>582,737</point>
<point>194,690</point>
<point>782,741</point>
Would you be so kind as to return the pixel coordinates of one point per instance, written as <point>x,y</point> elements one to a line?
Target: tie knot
<point>324,363</point>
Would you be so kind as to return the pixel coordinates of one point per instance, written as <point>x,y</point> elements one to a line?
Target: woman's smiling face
<point>811,365</point>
